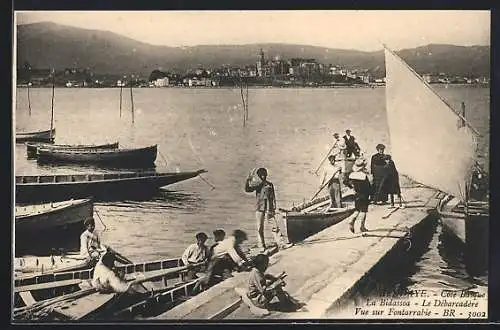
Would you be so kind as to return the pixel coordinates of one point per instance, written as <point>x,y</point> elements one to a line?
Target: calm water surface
<point>289,131</point>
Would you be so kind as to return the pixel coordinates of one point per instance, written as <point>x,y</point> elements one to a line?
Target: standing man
<point>331,177</point>
<point>265,206</point>
<point>338,147</point>
<point>350,144</point>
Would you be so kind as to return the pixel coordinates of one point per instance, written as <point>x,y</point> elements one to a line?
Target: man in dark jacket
<point>352,148</point>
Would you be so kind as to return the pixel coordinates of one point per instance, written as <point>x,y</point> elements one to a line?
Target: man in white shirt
<point>90,244</point>
<point>195,253</point>
<point>106,281</point>
<point>338,146</point>
<point>331,177</point>
<point>227,255</point>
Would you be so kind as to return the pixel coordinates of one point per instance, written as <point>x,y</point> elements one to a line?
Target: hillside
<point>46,45</point>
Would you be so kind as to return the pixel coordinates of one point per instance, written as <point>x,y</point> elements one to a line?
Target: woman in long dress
<point>390,182</point>
<point>379,170</point>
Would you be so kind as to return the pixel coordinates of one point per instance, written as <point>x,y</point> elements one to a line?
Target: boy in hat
<point>263,288</point>
<point>265,207</point>
<point>362,189</point>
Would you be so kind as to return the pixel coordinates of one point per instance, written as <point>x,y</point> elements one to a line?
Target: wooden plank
<point>27,298</point>
<point>49,285</point>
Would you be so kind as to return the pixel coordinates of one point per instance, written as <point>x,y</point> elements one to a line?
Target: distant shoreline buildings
<point>275,72</point>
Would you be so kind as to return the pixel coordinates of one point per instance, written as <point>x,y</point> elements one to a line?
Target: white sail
<point>426,142</point>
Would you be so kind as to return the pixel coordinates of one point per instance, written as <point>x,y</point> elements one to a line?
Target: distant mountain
<point>46,45</point>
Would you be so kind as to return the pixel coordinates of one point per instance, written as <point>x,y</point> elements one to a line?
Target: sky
<point>347,29</point>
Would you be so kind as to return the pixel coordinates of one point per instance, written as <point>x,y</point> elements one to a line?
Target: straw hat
<point>359,164</point>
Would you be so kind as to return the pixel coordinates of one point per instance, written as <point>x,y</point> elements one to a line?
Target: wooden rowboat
<point>134,157</point>
<point>32,147</point>
<point>48,216</point>
<point>42,227</point>
<point>40,136</point>
<point>107,186</point>
<point>32,266</point>
<point>310,218</point>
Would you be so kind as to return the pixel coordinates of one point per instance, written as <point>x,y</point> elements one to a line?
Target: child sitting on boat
<point>90,244</point>
<point>195,254</point>
<point>105,280</point>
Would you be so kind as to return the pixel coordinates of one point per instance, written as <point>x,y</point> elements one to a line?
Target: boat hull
<point>302,225</point>
<point>470,229</point>
<point>45,227</point>
<point>129,158</point>
<point>41,136</point>
<point>109,186</point>
<point>32,148</point>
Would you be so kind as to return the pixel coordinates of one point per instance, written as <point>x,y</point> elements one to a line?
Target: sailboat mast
<point>52,110</point>
<point>463,113</point>
<point>121,92</point>
<point>132,102</point>
<point>29,101</point>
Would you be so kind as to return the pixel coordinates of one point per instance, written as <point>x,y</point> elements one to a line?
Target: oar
<point>42,304</point>
<point>324,158</point>
<point>320,189</point>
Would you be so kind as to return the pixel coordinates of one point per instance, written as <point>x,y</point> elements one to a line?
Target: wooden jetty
<point>112,185</point>
<point>324,269</point>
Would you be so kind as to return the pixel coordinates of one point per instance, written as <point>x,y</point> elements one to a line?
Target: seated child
<point>263,288</point>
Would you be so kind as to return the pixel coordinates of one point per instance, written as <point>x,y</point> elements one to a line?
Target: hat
<point>380,146</point>
<point>336,134</point>
<point>359,164</point>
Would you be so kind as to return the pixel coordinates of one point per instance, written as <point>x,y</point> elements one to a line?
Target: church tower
<point>260,63</point>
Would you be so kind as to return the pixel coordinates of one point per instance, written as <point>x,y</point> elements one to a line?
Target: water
<point>289,132</point>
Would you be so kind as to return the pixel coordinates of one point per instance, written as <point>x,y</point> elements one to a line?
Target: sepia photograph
<point>259,165</point>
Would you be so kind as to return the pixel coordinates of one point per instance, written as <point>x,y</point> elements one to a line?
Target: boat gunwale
<point>147,176</point>
<point>71,205</point>
<point>96,151</point>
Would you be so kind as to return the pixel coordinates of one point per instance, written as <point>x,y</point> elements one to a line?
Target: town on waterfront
<point>275,72</point>
<point>161,177</point>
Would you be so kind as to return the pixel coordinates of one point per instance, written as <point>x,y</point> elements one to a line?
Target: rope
<point>164,159</point>
<point>97,213</point>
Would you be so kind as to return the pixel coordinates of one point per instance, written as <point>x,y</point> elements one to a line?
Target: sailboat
<point>46,136</point>
<point>436,146</point>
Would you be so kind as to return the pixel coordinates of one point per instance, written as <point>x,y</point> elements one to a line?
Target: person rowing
<point>227,256</point>
<point>331,178</point>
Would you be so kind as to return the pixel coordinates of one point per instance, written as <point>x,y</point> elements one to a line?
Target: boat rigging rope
<point>97,213</point>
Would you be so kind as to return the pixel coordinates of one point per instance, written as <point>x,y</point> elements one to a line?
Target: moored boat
<point>310,218</point>
<point>107,186</point>
<point>32,147</point>
<point>133,157</point>
<point>38,136</point>
<point>48,216</point>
